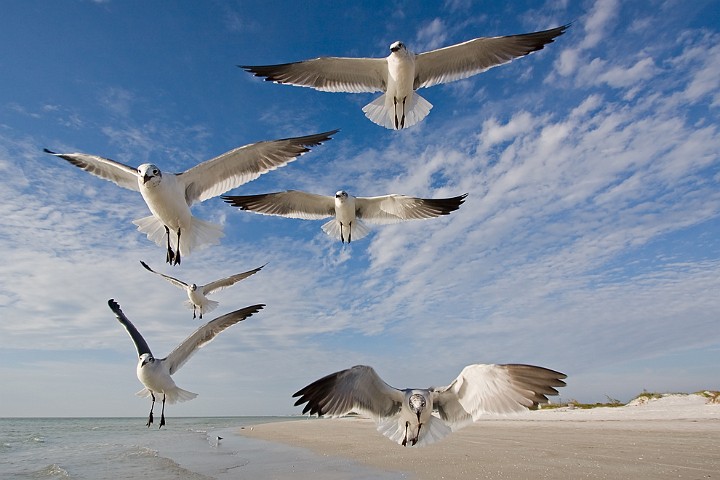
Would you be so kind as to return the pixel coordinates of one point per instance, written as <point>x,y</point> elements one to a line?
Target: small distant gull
<point>169,196</point>
<point>348,211</point>
<point>155,373</point>
<point>402,72</point>
<point>423,416</point>
<point>197,299</point>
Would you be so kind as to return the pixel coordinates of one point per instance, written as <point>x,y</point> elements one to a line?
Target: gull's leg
<point>162,413</point>
<point>152,405</point>
<point>177,252</point>
<point>170,254</point>
<point>396,115</point>
<point>417,437</point>
<point>402,120</point>
<point>404,442</point>
<point>350,232</point>
<point>342,237</point>
<point>194,316</point>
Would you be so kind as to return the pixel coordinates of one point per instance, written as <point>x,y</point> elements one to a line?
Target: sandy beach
<point>676,436</point>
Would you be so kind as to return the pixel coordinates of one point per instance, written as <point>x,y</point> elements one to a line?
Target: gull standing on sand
<point>155,373</point>
<point>348,211</point>
<point>197,299</point>
<point>402,72</point>
<point>169,195</point>
<point>423,416</point>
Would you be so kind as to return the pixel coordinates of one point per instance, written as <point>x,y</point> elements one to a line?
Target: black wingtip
<point>114,306</point>
<point>49,151</point>
<point>146,266</point>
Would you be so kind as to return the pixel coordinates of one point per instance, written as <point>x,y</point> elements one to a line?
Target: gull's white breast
<point>166,201</point>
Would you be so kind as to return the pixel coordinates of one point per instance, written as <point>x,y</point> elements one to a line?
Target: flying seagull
<point>169,196</point>
<point>155,373</point>
<point>348,211</point>
<point>197,299</point>
<point>402,72</point>
<point>422,416</point>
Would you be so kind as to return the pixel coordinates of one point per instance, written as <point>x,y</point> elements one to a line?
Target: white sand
<point>677,436</point>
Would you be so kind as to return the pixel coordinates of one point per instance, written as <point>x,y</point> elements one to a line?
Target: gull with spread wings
<point>156,373</point>
<point>348,211</point>
<point>402,72</point>
<point>197,299</point>
<point>169,195</point>
<point>419,417</point>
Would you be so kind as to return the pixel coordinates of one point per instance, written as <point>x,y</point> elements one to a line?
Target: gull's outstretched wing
<point>241,165</point>
<point>140,343</point>
<point>292,204</point>
<point>226,282</point>
<point>475,56</point>
<point>328,74</point>
<point>173,280</point>
<point>397,208</point>
<point>494,389</point>
<point>118,173</point>
<point>204,335</point>
<point>357,389</point>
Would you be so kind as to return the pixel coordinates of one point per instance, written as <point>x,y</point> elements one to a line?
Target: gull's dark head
<point>146,358</point>
<point>397,47</point>
<point>193,287</point>
<point>149,173</point>
<point>341,194</point>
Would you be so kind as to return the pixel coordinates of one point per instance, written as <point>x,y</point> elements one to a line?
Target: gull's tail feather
<point>209,306</point>
<point>382,111</point>
<point>171,396</point>
<point>359,230</point>
<point>430,432</point>
<point>201,233</point>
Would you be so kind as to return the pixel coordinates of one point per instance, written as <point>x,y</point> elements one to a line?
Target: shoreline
<point>668,438</point>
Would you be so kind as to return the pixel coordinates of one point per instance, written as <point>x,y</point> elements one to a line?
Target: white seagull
<point>197,299</point>
<point>348,211</point>
<point>422,416</point>
<point>155,373</point>
<point>402,72</point>
<point>169,196</point>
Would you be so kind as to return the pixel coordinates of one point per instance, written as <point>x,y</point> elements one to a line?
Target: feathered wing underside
<point>226,282</point>
<point>118,173</point>
<point>291,204</point>
<point>201,233</point>
<point>178,283</point>
<point>140,344</point>
<point>397,208</point>
<point>494,389</point>
<point>358,389</point>
<point>475,56</point>
<point>241,165</point>
<point>328,74</point>
<point>204,335</point>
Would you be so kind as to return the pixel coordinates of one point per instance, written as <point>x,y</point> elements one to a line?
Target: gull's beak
<point>394,49</point>
<point>146,177</point>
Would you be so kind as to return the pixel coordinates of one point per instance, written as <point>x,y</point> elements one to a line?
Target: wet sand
<point>680,440</point>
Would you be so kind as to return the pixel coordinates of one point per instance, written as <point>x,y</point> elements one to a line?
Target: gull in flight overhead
<point>419,417</point>
<point>155,373</point>
<point>348,211</point>
<point>197,299</point>
<point>169,195</point>
<point>402,72</point>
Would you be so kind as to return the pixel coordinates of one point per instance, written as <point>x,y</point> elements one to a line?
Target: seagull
<point>419,417</point>
<point>155,373</point>
<point>348,211</point>
<point>402,72</point>
<point>197,299</point>
<point>169,196</point>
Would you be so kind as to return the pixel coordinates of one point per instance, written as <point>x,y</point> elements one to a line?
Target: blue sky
<point>589,242</point>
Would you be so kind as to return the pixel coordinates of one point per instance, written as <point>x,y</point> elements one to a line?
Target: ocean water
<point>186,448</point>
